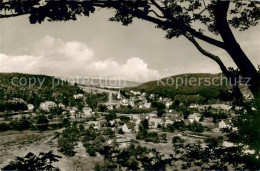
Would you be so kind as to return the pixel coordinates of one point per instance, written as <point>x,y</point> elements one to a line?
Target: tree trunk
<point>247,69</point>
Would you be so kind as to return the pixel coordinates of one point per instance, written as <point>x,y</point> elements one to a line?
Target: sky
<point>94,47</point>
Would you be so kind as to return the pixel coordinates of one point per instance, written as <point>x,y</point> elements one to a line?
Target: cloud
<point>56,57</point>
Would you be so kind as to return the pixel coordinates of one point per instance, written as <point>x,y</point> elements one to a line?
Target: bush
<point>196,127</point>
<point>4,127</point>
<point>21,124</point>
<point>32,162</point>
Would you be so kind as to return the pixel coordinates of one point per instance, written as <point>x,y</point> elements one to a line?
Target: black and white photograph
<point>117,85</point>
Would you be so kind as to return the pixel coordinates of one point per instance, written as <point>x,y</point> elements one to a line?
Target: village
<point>196,123</point>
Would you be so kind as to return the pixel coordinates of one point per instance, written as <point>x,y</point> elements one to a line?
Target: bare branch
<point>156,14</point>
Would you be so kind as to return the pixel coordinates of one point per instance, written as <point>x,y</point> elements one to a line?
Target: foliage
<point>33,94</point>
<point>124,119</point>
<point>111,116</point>
<point>93,99</point>
<point>195,127</point>
<point>42,122</point>
<point>144,134</point>
<point>32,162</point>
<point>102,108</point>
<point>21,124</point>
<point>145,124</point>
<point>177,139</point>
<point>215,156</point>
<point>185,93</point>
<point>12,106</point>
<point>68,140</point>
<point>133,158</point>
<point>131,111</point>
<point>4,127</point>
<point>245,127</point>
<point>93,140</point>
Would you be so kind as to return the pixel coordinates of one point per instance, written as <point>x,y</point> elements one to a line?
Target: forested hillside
<point>209,86</point>
<point>34,89</point>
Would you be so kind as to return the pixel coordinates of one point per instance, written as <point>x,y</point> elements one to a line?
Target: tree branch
<point>13,15</point>
<point>157,6</point>
<point>205,38</point>
<point>156,14</point>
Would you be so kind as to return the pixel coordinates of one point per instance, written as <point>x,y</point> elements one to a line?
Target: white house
<point>95,124</point>
<point>194,105</point>
<point>126,129</point>
<point>168,104</point>
<point>135,92</point>
<point>78,96</point>
<point>195,117</point>
<point>87,111</point>
<point>168,122</point>
<point>147,105</point>
<point>152,96</point>
<point>223,124</point>
<point>47,105</point>
<point>30,106</point>
<point>110,107</point>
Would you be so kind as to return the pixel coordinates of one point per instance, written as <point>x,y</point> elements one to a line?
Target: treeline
<point>12,106</point>
<point>167,88</point>
<point>42,90</point>
<point>127,110</point>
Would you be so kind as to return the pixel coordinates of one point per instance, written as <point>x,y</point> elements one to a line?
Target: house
<point>147,105</point>
<point>112,123</point>
<point>154,122</point>
<point>168,122</point>
<point>46,106</point>
<point>152,96</point>
<point>87,111</point>
<point>194,105</point>
<point>216,108</point>
<point>137,121</point>
<point>124,102</point>
<point>168,104</point>
<point>30,107</point>
<point>72,112</point>
<point>176,118</point>
<point>143,94</point>
<point>135,92</point>
<point>150,115</point>
<point>110,107</point>
<point>131,103</point>
<point>62,106</point>
<point>123,142</point>
<point>195,117</point>
<point>95,124</point>
<point>222,107</point>
<point>186,122</point>
<point>223,124</point>
<point>136,128</point>
<point>17,100</point>
<point>126,129</point>
<point>78,96</point>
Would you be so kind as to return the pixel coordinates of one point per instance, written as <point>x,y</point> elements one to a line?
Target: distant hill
<point>191,85</point>
<point>106,83</point>
<point>35,88</point>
